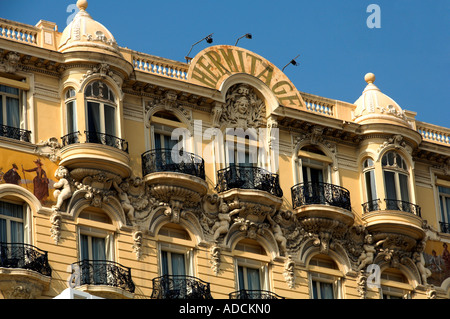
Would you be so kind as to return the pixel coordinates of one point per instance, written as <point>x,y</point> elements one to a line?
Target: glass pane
<point>178,264</point>
<point>370,185</point>
<point>93,117</point>
<point>84,247</point>
<point>16,232</point>
<point>1,110</point>
<point>305,174</point>
<point>12,210</point>
<point>404,187</point>
<point>98,248</point>
<point>447,204</point>
<point>241,280</point>
<point>253,279</point>
<point>12,112</point>
<point>314,288</point>
<point>164,263</point>
<point>110,120</point>
<point>389,184</point>
<point>326,290</point>
<point>316,175</point>
<point>3,235</point>
<point>71,117</point>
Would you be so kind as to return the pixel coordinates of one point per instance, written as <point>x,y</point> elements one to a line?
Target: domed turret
<point>86,34</point>
<point>373,106</point>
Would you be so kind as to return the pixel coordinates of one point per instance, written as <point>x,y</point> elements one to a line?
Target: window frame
<point>102,102</point>
<point>69,98</point>
<point>4,107</point>
<point>320,274</point>
<point>443,198</point>
<point>26,210</point>
<point>397,170</point>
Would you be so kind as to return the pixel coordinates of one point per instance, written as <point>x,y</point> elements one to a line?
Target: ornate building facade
<point>126,175</point>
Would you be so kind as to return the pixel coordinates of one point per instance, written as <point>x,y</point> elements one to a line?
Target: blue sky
<point>409,54</point>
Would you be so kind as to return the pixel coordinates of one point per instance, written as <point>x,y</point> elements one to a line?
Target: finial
<point>82,4</point>
<point>369,78</point>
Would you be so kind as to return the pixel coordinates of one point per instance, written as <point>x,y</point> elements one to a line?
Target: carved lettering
<point>219,62</point>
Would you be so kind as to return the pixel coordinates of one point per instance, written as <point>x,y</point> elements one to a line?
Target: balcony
<point>323,200</point>
<point>254,186</point>
<point>25,266</point>
<point>103,278</point>
<point>15,133</point>
<point>181,171</point>
<point>180,287</point>
<point>253,294</point>
<point>99,151</point>
<point>248,177</point>
<point>168,160</point>
<point>394,216</point>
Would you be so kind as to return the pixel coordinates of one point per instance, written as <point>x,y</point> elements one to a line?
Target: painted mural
<point>437,259</point>
<point>35,173</point>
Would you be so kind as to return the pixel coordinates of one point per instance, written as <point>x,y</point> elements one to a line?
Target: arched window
<point>396,180</point>
<point>175,259</point>
<point>394,284</point>
<point>370,186</point>
<point>252,272</point>
<point>96,243</point>
<point>325,278</point>
<point>100,111</point>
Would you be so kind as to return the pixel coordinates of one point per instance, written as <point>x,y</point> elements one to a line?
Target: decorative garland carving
<point>217,221</point>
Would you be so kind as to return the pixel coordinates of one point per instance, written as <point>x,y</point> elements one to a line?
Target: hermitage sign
<point>215,64</point>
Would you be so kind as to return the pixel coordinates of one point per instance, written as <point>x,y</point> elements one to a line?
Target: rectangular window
<point>444,200</point>
<point>370,185</point>
<point>10,106</point>
<point>11,223</point>
<point>71,117</point>
<point>249,278</point>
<point>110,115</point>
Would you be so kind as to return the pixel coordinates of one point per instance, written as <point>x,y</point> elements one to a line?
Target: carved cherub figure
<point>278,234</point>
<point>222,225</point>
<point>124,200</point>
<point>62,187</point>
<point>367,256</point>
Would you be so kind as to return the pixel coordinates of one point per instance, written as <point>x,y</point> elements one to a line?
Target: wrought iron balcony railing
<point>15,133</point>
<point>23,256</point>
<point>71,138</point>
<point>445,227</point>
<point>97,138</point>
<point>371,206</point>
<point>253,294</point>
<point>394,204</point>
<point>248,177</point>
<point>102,272</point>
<point>180,287</point>
<point>171,160</point>
<point>320,193</point>
<point>106,139</point>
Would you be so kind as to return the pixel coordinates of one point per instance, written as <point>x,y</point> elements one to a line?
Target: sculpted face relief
<point>214,64</point>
